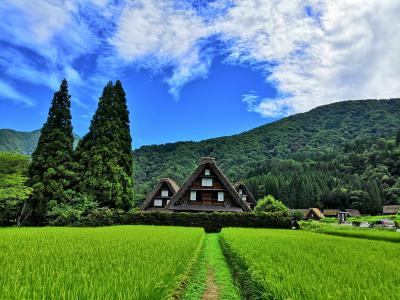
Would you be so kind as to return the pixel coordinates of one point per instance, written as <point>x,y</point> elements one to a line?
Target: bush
<point>103,216</point>
<point>270,204</point>
<point>212,222</point>
<point>297,215</point>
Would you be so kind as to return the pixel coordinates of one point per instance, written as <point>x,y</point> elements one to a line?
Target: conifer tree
<point>104,154</point>
<point>50,171</point>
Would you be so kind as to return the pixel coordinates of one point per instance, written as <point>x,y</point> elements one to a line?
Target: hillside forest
<point>343,155</point>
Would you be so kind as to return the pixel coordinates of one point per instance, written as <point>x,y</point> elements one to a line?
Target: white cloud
<point>156,34</point>
<point>9,92</point>
<point>346,50</point>
<point>313,52</point>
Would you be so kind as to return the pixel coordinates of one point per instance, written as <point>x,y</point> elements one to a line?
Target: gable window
<point>240,191</point>
<point>164,193</point>
<point>157,202</point>
<point>193,196</point>
<point>244,197</point>
<point>206,182</point>
<point>221,196</point>
<point>207,172</point>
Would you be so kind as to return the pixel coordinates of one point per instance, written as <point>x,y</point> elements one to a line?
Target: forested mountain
<point>332,156</point>
<point>23,142</point>
<point>313,136</point>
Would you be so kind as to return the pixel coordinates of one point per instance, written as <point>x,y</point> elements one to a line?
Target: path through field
<point>212,278</point>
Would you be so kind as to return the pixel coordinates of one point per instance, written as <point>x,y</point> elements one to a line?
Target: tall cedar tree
<point>104,154</point>
<point>50,171</point>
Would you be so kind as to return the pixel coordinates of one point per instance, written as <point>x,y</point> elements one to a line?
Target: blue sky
<point>195,69</point>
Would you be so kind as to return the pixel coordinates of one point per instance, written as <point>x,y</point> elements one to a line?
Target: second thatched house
<point>161,195</point>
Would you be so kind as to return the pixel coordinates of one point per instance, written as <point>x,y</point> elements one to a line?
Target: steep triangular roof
<point>316,212</point>
<point>250,198</point>
<point>209,163</point>
<point>169,182</point>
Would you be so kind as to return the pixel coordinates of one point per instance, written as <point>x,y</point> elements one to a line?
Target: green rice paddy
<point>284,264</point>
<point>156,262</point>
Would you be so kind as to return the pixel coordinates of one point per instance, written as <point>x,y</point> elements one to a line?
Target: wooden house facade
<point>245,194</point>
<point>207,190</point>
<point>161,195</point>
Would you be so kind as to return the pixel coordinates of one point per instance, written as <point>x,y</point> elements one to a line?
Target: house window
<point>244,197</point>
<point>221,196</point>
<point>157,202</point>
<point>206,182</point>
<point>168,201</point>
<point>240,191</point>
<point>193,196</point>
<point>164,193</point>
<point>207,172</point>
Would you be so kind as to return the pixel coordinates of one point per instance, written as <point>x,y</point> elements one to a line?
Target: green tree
<point>270,204</point>
<point>104,154</point>
<point>50,171</point>
<point>13,189</point>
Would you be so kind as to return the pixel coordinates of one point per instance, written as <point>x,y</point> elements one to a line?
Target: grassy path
<point>212,279</point>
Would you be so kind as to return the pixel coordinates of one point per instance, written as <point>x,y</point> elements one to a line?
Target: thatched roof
<point>316,213</point>
<point>169,182</point>
<point>303,210</point>
<point>242,186</point>
<point>391,209</point>
<point>207,208</point>
<point>353,212</point>
<point>208,162</point>
<point>330,212</point>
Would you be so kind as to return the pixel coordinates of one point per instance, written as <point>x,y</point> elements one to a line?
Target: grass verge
<point>212,259</point>
<point>351,231</point>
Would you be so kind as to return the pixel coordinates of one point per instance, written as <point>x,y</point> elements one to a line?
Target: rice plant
<point>122,262</point>
<point>284,264</point>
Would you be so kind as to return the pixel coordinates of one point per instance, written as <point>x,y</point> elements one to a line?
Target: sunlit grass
<point>122,262</point>
<point>285,264</point>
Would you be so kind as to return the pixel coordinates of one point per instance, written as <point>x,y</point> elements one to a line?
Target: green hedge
<point>212,222</point>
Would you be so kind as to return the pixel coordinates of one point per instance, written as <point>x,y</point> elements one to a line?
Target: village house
<point>206,190</point>
<point>331,213</point>
<point>245,194</point>
<point>390,209</point>
<point>161,195</point>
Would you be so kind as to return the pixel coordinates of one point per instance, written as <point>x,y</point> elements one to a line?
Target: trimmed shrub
<point>211,221</point>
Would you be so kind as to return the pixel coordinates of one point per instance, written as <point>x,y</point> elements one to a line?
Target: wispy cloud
<point>9,92</point>
<point>313,52</point>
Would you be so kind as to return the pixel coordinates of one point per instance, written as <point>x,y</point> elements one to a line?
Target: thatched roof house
<point>160,196</point>
<point>353,212</point>
<point>207,189</point>
<point>331,212</point>
<point>245,194</point>
<point>390,209</point>
<point>314,213</point>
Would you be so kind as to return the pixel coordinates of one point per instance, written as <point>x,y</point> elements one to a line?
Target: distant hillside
<point>21,142</point>
<point>320,130</point>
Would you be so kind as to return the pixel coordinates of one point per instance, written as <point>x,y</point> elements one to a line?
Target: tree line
<point>68,183</point>
<point>364,176</point>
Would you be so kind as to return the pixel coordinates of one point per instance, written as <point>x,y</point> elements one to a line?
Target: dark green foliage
<point>13,190</point>
<point>321,133</point>
<point>22,142</point>
<point>212,221</point>
<point>104,157</point>
<point>50,171</point>
<point>270,204</point>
